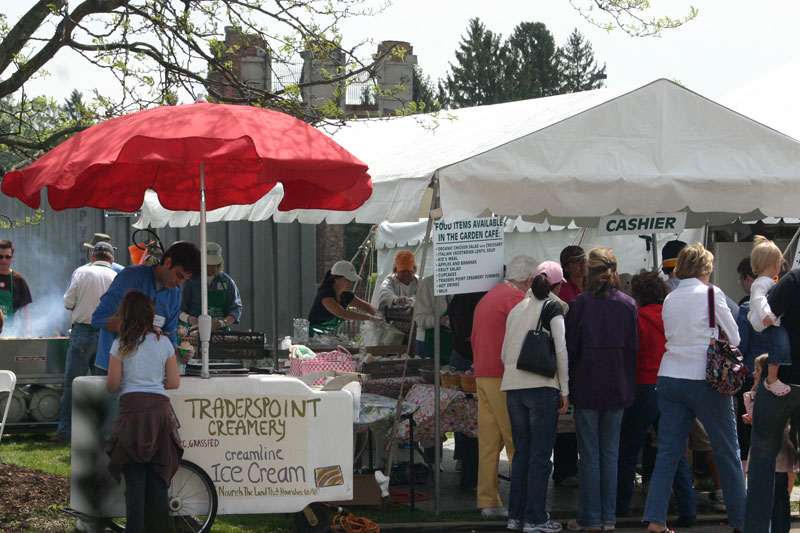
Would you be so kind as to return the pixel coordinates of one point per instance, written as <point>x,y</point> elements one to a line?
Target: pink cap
<point>552,271</point>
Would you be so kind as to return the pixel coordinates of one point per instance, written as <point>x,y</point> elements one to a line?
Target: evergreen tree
<point>531,67</point>
<point>423,92</point>
<point>478,77</point>
<point>577,67</point>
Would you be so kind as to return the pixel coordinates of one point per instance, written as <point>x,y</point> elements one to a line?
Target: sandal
<point>777,387</point>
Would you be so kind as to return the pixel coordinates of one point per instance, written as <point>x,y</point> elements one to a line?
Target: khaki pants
<point>494,432</point>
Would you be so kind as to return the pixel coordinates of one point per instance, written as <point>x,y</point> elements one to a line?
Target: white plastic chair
<point>7,382</point>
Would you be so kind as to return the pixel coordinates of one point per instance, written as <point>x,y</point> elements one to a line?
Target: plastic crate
<point>391,368</point>
<point>232,345</point>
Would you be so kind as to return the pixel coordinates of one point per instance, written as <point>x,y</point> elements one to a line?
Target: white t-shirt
<point>144,369</point>
<point>759,307</point>
<point>89,283</point>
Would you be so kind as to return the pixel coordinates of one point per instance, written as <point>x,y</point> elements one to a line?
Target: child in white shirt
<point>766,260</point>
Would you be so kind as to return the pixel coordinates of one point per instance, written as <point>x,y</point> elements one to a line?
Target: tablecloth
<point>459,412</point>
<point>376,409</point>
<point>390,386</point>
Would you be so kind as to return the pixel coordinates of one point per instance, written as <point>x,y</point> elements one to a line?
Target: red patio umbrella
<point>195,157</point>
<point>246,151</point>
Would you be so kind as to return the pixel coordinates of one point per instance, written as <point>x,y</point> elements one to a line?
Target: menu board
<point>468,255</point>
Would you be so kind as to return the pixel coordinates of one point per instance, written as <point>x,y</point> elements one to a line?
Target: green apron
<point>328,327</point>
<point>217,307</point>
<point>7,301</point>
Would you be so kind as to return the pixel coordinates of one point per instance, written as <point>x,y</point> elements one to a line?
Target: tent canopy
<point>655,149</point>
<point>772,99</point>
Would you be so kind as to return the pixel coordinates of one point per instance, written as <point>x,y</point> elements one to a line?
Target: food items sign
<point>468,255</point>
<point>267,437</point>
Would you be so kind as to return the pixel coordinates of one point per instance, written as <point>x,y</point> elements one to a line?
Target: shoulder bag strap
<point>541,315</point>
<point>712,312</point>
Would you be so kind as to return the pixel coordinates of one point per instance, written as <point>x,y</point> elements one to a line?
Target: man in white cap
<point>88,284</point>
<point>224,302</point>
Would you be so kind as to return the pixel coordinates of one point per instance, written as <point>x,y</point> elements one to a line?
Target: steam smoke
<point>47,283</point>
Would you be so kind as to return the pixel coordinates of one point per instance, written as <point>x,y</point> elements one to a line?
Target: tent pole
<point>437,358</point>
<point>274,268</point>
<point>654,242</point>
<point>204,321</point>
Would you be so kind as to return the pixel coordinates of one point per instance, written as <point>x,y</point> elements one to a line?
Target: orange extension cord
<point>347,522</point>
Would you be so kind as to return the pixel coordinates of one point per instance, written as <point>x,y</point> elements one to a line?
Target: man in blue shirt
<point>161,282</point>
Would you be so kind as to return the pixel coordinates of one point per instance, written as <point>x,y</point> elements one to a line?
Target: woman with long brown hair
<point>142,365</point>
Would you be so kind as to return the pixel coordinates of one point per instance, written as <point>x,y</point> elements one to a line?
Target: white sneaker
<point>514,524</point>
<point>547,527</point>
<point>494,512</point>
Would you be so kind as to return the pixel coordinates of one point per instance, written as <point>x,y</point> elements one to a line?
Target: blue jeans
<point>534,420</point>
<point>776,339</point>
<point>459,362</point>
<point>680,402</point>
<point>635,422</point>
<point>80,359</point>
<point>770,415</point>
<point>598,449</point>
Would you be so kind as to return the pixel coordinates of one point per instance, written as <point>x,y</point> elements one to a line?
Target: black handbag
<point>538,353</point>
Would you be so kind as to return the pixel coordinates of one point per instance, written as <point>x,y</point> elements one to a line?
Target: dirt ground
<point>28,497</point>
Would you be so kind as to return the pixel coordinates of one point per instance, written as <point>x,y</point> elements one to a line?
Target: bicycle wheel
<point>192,500</point>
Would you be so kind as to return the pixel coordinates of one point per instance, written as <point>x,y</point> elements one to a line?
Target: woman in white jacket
<point>534,402</point>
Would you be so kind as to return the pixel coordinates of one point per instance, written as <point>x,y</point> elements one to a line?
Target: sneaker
<point>573,525</point>
<point>494,512</point>
<point>717,501</point>
<point>514,524</point>
<point>609,526</point>
<point>547,527</point>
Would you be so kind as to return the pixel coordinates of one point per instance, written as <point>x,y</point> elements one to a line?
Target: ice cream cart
<point>253,444</point>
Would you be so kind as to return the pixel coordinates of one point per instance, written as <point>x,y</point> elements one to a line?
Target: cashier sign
<point>641,224</point>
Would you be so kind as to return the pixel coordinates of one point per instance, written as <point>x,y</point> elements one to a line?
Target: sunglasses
<point>6,256</point>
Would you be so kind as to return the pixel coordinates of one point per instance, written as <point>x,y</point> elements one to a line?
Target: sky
<point>729,44</point>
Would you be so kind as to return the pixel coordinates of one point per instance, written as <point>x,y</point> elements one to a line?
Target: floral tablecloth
<point>376,409</point>
<point>458,413</point>
<point>390,386</point>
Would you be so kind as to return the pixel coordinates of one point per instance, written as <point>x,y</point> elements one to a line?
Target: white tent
<point>773,99</point>
<point>657,148</point>
<point>536,240</point>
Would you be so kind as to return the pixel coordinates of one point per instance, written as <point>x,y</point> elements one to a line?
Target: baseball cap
<point>346,269</point>
<point>103,246</point>
<point>213,254</point>
<point>552,272</point>
<point>98,237</point>
<point>669,254</point>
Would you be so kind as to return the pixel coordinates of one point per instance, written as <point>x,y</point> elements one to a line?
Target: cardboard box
<point>387,351</point>
<point>365,491</point>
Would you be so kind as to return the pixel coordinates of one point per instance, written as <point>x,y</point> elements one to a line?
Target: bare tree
<point>157,49</point>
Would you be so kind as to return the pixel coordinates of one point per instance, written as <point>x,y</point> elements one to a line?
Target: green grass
<point>37,451</point>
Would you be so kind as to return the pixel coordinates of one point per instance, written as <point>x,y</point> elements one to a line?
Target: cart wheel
<point>313,519</point>
<point>192,500</point>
